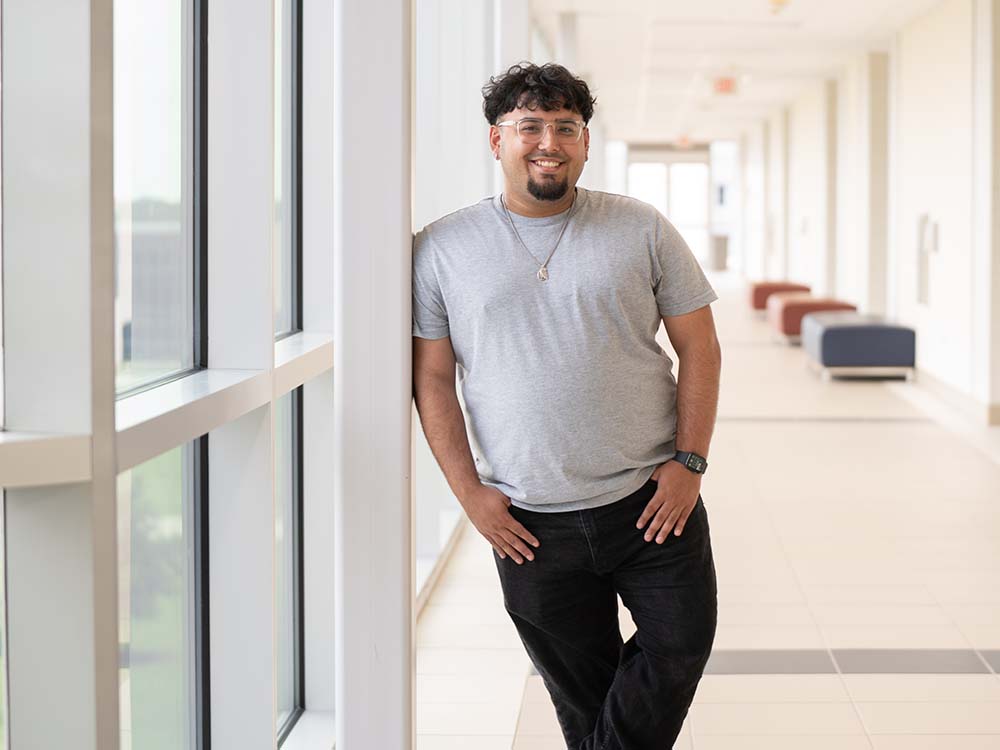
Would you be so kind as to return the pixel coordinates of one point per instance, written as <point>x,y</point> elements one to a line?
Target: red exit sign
<point>725,85</point>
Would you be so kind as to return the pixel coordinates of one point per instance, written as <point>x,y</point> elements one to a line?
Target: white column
<point>372,383</point>
<point>777,263</point>
<point>318,315</point>
<point>985,279</point>
<point>566,41</point>
<point>829,240</point>
<point>877,160</point>
<point>61,553</point>
<point>241,336</point>
<point>512,32</point>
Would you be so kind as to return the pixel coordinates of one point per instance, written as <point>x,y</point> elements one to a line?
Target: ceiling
<point>652,64</point>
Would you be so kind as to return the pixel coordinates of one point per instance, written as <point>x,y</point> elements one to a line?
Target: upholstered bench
<point>786,309</point>
<point>850,343</point>
<point>761,290</point>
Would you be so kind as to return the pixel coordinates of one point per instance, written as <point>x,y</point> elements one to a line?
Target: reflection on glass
<point>284,81</point>
<point>155,603</point>
<point>153,123</point>
<point>285,556</point>
<point>647,181</point>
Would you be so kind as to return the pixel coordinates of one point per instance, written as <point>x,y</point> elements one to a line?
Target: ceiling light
<point>777,6</point>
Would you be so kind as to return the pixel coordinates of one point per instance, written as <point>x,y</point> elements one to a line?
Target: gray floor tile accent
<point>909,661</point>
<point>770,661</point>
<point>993,658</point>
<point>850,661</point>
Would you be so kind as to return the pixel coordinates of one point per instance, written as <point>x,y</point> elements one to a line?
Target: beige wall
<point>753,163</point>
<point>808,194</point>
<point>933,176</point>
<point>776,232</point>
<point>862,191</point>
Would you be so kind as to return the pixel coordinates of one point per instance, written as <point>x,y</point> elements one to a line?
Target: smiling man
<point>580,456</point>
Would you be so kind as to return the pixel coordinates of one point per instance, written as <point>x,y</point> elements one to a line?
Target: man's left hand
<point>675,498</point>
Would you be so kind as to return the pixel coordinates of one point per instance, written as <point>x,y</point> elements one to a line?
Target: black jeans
<point>611,695</point>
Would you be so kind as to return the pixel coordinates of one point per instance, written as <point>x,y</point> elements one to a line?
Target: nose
<point>549,141</point>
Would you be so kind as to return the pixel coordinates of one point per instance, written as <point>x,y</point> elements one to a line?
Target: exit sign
<point>725,85</point>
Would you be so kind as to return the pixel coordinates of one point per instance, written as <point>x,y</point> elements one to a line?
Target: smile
<point>546,163</point>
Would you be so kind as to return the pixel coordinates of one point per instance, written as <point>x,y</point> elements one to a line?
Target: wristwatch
<point>691,461</point>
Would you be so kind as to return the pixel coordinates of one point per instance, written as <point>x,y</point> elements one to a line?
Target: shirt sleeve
<point>679,284</point>
<point>430,316</point>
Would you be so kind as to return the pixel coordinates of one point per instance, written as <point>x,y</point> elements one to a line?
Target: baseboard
<point>977,411</point>
<point>442,561</point>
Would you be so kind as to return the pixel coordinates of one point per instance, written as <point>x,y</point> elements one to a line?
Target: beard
<point>548,190</point>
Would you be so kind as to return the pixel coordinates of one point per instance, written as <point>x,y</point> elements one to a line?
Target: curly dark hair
<point>549,87</point>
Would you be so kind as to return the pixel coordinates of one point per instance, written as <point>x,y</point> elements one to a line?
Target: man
<point>548,298</point>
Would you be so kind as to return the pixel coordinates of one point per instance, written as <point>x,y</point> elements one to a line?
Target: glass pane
<point>285,555</point>
<point>153,121</point>
<point>155,601</point>
<point>647,181</point>
<point>284,80</point>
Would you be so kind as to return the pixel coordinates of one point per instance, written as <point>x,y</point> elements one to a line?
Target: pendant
<point>543,274</point>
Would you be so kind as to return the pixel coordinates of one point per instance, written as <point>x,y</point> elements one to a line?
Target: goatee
<point>549,190</point>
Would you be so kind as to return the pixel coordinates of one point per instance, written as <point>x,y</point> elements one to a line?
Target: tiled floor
<point>856,533</point>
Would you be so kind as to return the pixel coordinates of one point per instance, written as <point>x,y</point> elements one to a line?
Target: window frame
<point>294,198</point>
<point>298,579</point>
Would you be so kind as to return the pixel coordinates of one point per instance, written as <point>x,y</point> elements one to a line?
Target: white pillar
<point>511,33</point>
<point>241,336</point>
<point>566,41</point>
<point>372,383</point>
<point>61,551</point>
<point>317,313</point>
<point>877,160</point>
<point>829,240</point>
<point>985,278</point>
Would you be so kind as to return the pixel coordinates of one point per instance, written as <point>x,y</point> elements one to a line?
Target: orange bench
<point>761,290</point>
<point>785,311</point>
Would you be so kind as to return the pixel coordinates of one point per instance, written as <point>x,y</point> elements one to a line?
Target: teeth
<point>547,163</point>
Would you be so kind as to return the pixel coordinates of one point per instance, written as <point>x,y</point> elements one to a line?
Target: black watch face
<point>696,463</point>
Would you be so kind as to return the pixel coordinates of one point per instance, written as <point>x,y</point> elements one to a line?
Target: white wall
<point>453,166</point>
<point>809,185</point>
<point>776,229</point>
<point>751,254</point>
<point>933,132</point>
<point>862,190</point>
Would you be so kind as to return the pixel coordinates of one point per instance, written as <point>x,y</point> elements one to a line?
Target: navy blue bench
<point>851,343</point>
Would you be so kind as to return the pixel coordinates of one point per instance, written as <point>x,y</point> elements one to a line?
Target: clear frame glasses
<point>532,129</point>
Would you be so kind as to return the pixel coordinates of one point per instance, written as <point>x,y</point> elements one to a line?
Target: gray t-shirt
<point>570,402</point>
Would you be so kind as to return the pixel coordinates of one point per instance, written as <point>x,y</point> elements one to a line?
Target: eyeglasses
<point>531,129</point>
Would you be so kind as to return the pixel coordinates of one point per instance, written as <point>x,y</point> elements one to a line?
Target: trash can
<point>720,251</point>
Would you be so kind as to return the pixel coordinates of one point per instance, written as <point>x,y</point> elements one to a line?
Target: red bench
<point>761,290</point>
<point>785,310</point>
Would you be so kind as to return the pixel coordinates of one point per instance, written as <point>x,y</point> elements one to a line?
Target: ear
<point>495,137</point>
<point>586,144</point>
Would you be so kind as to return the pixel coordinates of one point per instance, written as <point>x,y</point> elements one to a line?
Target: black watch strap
<point>691,461</point>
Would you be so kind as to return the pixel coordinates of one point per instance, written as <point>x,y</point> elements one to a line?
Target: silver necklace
<point>543,270</point>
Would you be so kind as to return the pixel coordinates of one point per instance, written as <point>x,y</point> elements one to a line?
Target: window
<point>647,181</point>
<point>154,221</point>
<point>288,557</point>
<point>162,628</point>
<point>287,160</point>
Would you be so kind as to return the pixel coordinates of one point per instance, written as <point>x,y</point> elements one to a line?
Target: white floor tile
<point>774,719</point>
<point>940,717</point>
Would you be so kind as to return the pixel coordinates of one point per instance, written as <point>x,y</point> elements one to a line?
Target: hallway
<point>855,532</point>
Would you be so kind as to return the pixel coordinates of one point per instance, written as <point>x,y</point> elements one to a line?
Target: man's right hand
<point>487,509</point>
